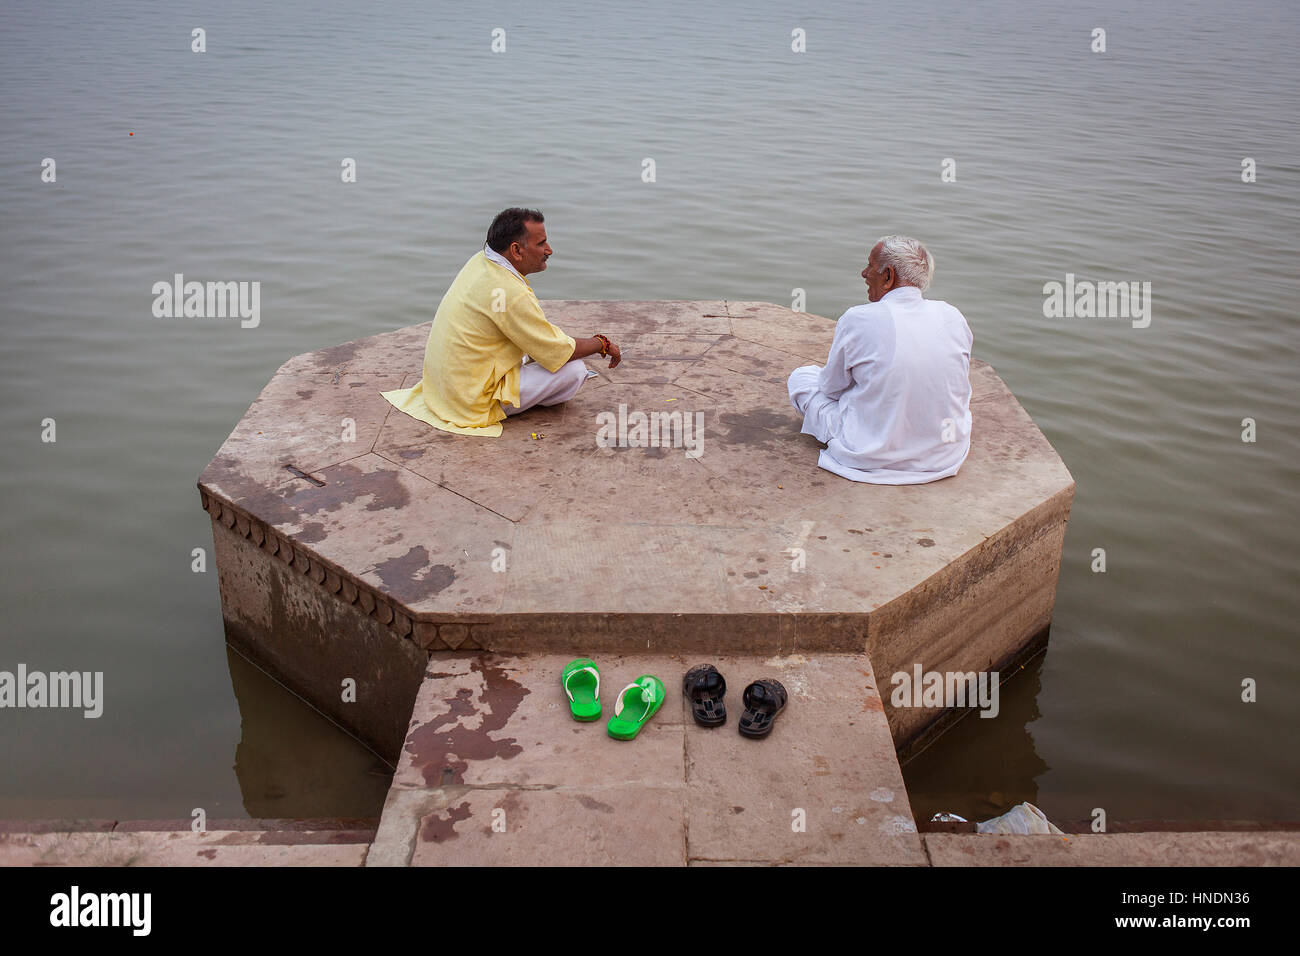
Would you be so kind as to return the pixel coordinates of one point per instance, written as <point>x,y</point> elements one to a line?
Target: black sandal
<point>764,699</point>
<point>704,687</point>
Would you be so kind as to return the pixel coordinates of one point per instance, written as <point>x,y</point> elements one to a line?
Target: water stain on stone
<point>306,393</point>
<point>346,484</point>
<point>261,502</point>
<point>746,437</point>
<point>409,578</point>
<point>778,421</point>
<point>445,743</point>
<point>226,472</point>
<point>440,826</point>
<point>513,808</point>
<point>592,804</point>
<point>312,531</point>
<point>756,427</point>
<point>335,355</point>
<point>286,506</point>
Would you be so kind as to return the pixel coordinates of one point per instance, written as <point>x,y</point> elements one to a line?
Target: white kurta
<point>893,402</point>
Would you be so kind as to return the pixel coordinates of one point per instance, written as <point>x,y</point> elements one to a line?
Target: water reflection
<point>292,762</point>
<point>982,767</point>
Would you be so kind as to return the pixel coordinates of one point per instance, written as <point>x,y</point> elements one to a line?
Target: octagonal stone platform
<point>352,541</point>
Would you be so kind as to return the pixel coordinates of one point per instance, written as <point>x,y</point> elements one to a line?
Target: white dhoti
<point>821,413</point>
<point>540,387</point>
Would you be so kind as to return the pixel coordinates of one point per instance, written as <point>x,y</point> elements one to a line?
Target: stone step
<point>1276,848</point>
<point>155,843</point>
<point>494,770</point>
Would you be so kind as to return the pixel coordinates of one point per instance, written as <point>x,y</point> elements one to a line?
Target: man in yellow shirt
<point>474,376</point>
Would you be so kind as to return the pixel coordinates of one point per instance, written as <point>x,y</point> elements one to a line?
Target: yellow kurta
<point>488,320</point>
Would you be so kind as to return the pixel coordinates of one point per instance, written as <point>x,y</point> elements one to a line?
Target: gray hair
<point>910,260</point>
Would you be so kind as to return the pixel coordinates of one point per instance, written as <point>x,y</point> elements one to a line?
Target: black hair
<point>508,227</point>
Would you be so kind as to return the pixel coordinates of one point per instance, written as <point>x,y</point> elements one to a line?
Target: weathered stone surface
<point>311,640</point>
<point>618,319</point>
<point>603,826</point>
<point>495,770</point>
<point>180,848</point>
<point>540,539</point>
<point>823,787</point>
<point>660,357</point>
<point>777,327</point>
<point>487,719</point>
<point>1115,849</point>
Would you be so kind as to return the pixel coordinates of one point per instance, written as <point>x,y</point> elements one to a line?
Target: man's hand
<point>593,346</point>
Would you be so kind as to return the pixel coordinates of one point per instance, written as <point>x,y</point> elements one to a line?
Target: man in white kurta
<point>892,403</point>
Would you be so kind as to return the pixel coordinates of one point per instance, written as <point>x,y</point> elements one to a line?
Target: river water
<point>774,170</point>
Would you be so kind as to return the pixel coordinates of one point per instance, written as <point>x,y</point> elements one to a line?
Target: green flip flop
<point>581,681</point>
<point>636,703</point>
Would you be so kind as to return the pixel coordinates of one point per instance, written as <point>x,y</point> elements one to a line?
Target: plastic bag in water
<point>1025,818</point>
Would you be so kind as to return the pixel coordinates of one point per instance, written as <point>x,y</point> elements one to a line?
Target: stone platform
<point>451,578</point>
<point>352,541</point>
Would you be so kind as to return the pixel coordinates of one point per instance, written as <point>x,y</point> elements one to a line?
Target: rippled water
<point>775,171</point>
